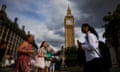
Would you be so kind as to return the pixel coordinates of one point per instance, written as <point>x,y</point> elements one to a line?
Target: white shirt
<point>89,46</point>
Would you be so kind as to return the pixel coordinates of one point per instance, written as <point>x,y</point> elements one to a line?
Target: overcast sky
<point>45,18</point>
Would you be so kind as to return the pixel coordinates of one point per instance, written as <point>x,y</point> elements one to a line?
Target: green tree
<point>112,28</point>
<point>71,54</point>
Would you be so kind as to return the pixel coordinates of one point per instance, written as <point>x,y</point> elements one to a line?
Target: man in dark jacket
<point>106,58</point>
<point>3,47</point>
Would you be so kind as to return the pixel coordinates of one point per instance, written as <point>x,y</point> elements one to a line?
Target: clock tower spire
<point>69,29</point>
<point>69,11</point>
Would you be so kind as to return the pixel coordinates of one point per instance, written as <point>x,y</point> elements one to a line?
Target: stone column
<point>6,36</point>
<point>9,42</point>
<point>12,44</point>
<point>15,45</point>
<point>1,36</point>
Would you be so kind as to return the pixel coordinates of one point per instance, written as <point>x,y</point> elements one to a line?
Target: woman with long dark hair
<point>90,46</point>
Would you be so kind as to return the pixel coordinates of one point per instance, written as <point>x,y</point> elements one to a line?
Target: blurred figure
<point>106,58</point>
<point>52,66</point>
<point>3,47</point>
<point>45,46</point>
<point>11,60</point>
<point>40,61</point>
<point>43,50</point>
<point>58,64</point>
<point>24,55</point>
<point>49,58</point>
<point>8,61</point>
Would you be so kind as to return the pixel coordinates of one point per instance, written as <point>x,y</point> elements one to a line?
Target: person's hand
<point>79,43</point>
<point>45,56</point>
<point>30,51</point>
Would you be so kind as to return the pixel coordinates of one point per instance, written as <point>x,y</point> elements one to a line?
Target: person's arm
<point>91,44</point>
<point>85,46</point>
<point>40,53</point>
<point>79,43</point>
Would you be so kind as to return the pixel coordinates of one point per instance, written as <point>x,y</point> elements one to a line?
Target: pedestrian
<point>106,58</point>
<point>52,66</point>
<point>59,64</point>
<point>90,47</point>
<point>3,46</point>
<point>43,48</point>
<point>24,55</point>
<point>40,61</point>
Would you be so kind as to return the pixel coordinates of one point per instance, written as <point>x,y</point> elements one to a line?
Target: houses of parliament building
<point>11,33</point>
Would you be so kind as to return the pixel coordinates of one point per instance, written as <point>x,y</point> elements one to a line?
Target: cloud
<point>45,18</point>
<point>93,11</point>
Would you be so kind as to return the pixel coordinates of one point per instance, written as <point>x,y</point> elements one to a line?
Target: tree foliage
<point>71,54</point>
<point>112,26</point>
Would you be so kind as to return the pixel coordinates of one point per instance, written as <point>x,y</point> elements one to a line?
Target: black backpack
<point>105,54</point>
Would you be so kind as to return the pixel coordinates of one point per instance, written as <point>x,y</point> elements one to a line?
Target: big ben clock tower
<point>69,29</point>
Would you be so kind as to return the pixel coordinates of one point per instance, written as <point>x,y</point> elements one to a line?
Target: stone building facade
<point>11,33</point>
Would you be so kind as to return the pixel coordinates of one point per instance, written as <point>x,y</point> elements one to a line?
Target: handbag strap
<point>98,53</point>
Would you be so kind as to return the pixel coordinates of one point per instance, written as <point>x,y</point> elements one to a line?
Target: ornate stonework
<point>69,29</point>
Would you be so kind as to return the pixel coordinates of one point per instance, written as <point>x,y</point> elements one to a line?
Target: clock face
<point>69,21</point>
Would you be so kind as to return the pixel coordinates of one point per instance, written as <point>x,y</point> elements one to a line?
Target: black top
<point>2,52</point>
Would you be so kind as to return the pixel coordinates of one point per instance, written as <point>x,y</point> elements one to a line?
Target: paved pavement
<point>7,69</point>
<point>71,69</point>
